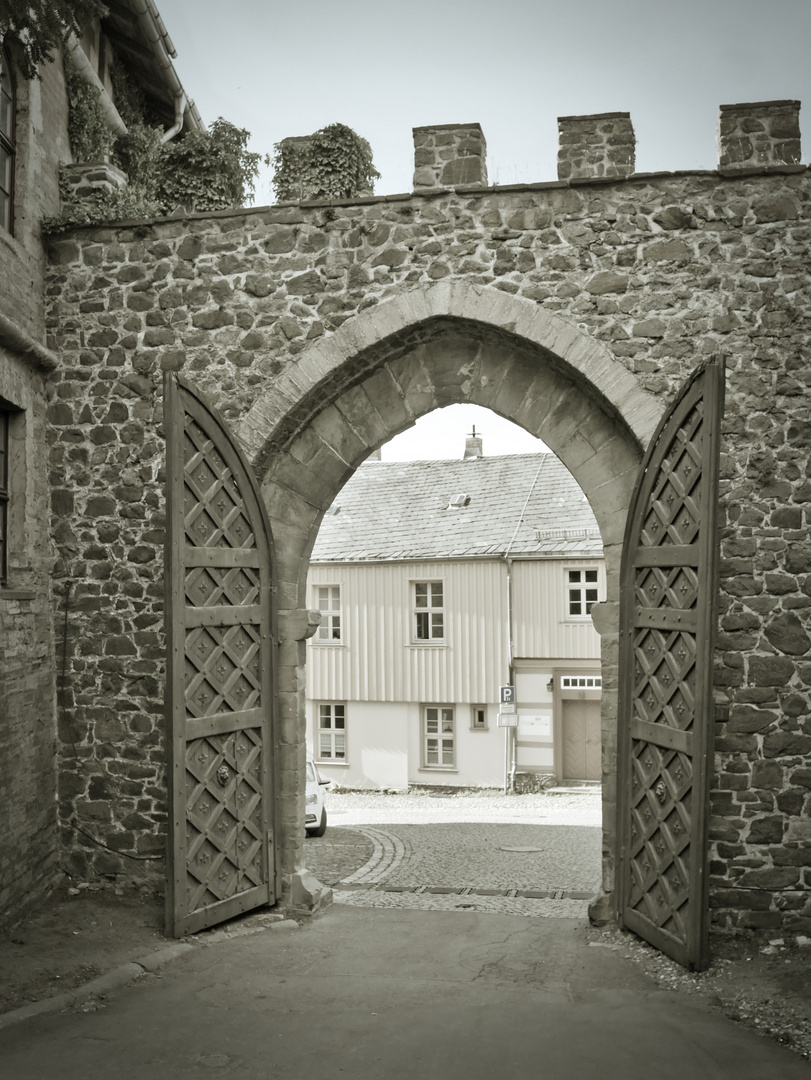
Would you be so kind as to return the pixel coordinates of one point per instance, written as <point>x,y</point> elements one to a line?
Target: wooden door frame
<point>559,695</point>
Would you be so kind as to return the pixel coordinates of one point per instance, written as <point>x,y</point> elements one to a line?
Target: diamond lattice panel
<point>660,835</point>
<point>214,509</point>
<point>223,816</point>
<point>213,586</point>
<point>220,619</point>
<point>667,621</point>
<point>222,670</point>
<point>673,510</point>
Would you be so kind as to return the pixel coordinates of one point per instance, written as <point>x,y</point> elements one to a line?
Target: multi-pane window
<point>439,738</point>
<point>582,592</point>
<point>331,733</point>
<point>329,604</point>
<point>7,116</point>
<point>581,682</point>
<point>429,614</point>
<point>4,420</point>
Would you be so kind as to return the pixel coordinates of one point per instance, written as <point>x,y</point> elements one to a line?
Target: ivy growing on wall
<point>334,163</point>
<point>40,27</point>
<point>90,138</point>
<point>208,170</point>
<point>202,171</point>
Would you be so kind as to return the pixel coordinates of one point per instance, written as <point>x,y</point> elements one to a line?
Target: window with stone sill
<point>8,111</point>
<point>428,613</point>
<point>478,718</point>
<point>582,593</point>
<point>331,735</point>
<point>328,602</point>
<point>439,737</point>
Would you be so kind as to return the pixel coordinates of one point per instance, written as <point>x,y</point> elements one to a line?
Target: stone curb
<point>125,973</point>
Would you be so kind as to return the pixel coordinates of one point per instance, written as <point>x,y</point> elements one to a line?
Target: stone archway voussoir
<point>523,318</point>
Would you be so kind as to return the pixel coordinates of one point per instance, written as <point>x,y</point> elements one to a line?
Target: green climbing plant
<point>90,137</point>
<point>211,170</point>
<point>38,28</point>
<point>333,163</point>
<point>200,171</point>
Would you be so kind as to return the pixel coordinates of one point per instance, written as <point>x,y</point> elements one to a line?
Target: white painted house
<point>439,582</point>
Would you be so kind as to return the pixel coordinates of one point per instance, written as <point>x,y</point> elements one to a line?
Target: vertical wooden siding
<point>540,626</point>
<point>377,660</point>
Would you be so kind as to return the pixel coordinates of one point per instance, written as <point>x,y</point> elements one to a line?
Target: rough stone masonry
<point>319,330</point>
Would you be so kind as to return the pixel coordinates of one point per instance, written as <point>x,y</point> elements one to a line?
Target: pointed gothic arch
<point>381,371</point>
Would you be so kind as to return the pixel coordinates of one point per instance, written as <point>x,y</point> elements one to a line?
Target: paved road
<point>410,994</point>
<point>396,995</point>
<point>534,855</point>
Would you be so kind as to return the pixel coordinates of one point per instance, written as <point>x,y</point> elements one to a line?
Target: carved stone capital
<point>298,624</point>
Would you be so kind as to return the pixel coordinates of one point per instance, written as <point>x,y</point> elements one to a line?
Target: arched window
<point>7,115</point>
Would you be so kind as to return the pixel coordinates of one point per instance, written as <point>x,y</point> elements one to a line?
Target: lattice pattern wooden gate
<point>667,624</point>
<point>219,624</point>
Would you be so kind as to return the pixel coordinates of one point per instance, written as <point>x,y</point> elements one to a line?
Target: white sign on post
<point>507,720</point>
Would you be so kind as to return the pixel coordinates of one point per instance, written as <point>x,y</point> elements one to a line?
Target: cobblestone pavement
<point>534,855</point>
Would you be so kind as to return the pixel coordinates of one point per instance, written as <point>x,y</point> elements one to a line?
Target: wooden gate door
<point>219,628</point>
<point>667,624</point>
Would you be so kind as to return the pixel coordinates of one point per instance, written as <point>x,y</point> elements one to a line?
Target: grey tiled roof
<point>524,504</point>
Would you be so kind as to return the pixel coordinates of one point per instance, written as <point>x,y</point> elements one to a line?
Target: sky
<point>513,66</point>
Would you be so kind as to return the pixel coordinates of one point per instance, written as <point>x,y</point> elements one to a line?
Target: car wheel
<point>321,827</point>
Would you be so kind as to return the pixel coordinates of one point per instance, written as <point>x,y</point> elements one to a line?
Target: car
<point>315,812</point>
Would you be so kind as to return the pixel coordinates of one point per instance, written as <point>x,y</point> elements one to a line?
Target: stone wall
<point>660,271</point>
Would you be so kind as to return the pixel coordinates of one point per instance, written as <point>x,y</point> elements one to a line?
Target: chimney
<point>473,446</point>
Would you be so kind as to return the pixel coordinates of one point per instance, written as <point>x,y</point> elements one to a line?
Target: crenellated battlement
<point>753,137</point>
<point>759,135</point>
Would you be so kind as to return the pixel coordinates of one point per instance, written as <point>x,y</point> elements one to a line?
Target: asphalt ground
<point>395,995</point>
<point>391,851</point>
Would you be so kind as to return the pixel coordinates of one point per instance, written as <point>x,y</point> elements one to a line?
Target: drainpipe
<point>163,50</point>
<point>510,733</point>
<point>180,105</point>
<point>83,67</point>
<point>511,740</point>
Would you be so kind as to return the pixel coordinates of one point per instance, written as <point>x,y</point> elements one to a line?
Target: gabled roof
<point>524,505</point>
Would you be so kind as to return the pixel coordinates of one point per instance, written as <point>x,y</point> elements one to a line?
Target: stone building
<point>576,308</point>
<point>33,142</point>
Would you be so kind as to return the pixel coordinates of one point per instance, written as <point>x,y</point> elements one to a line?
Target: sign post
<point>508,719</point>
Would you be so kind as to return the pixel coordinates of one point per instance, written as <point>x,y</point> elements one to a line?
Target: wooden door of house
<point>582,759</point>
<point>667,625</point>
<point>219,690</point>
